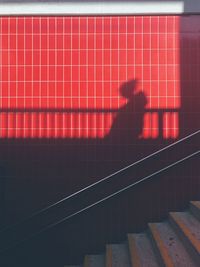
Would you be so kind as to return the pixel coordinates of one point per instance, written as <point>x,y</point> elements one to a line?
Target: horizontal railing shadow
<point>80,111</point>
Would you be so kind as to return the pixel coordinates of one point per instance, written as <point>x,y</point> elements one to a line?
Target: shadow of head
<point>127,89</point>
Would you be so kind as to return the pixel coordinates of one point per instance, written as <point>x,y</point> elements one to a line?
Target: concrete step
<point>169,247</point>
<point>94,261</point>
<point>188,228</point>
<point>141,251</point>
<point>172,243</point>
<point>117,255</point>
<point>195,208</point>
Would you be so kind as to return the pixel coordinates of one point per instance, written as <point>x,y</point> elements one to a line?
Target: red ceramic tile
<point>62,59</point>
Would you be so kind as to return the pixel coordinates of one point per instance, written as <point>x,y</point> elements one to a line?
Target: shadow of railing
<point>106,113</point>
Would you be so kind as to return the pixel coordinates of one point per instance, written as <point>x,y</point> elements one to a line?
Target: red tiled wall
<point>60,77</point>
<point>61,81</point>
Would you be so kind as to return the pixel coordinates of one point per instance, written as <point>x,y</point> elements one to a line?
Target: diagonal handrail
<point>142,180</point>
<point>102,180</point>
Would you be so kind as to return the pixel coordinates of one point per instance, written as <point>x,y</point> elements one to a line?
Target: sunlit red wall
<point>63,115</point>
<point>60,77</point>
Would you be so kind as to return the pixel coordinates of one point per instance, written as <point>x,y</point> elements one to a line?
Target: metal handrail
<point>102,180</point>
<point>123,189</point>
<point>103,200</point>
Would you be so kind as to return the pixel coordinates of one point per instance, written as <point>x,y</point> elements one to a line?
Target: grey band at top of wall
<point>91,7</point>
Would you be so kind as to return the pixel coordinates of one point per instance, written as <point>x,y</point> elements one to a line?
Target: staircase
<point>174,242</point>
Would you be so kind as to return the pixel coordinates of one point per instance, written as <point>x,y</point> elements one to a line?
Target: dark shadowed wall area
<point>81,97</point>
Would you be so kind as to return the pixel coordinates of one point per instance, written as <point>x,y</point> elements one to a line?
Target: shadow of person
<point>128,123</point>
